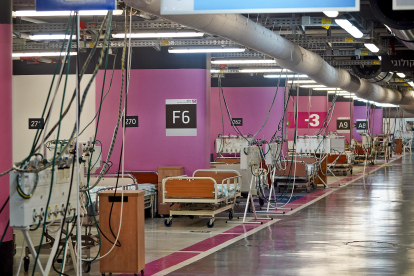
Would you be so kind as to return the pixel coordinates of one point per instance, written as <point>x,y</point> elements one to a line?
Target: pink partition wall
<point>250,103</point>
<point>5,124</point>
<point>360,112</point>
<point>316,105</point>
<point>147,147</point>
<point>342,109</point>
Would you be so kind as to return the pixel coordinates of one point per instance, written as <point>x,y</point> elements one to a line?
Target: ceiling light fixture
<point>42,54</point>
<point>302,81</point>
<point>187,50</point>
<point>51,37</point>
<point>351,29</point>
<point>372,47</point>
<point>62,13</point>
<point>243,61</point>
<point>264,70</point>
<point>331,13</point>
<point>158,34</point>
<point>401,75</point>
<point>312,86</point>
<point>285,76</point>
<point>327,89</point>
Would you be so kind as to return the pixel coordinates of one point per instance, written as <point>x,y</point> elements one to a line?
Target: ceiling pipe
<point>287,54</point>
<point>398,22</point>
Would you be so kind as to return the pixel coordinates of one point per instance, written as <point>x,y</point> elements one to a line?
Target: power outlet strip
<point>26,212</point>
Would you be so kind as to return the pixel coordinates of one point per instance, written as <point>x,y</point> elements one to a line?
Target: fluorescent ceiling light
<point>214,71</point>
<point>186,50</point>
<point>312,86</point>
<point>42,54</point>
<point>160,34</point>
<point>351,29</point>
<point>380,57</point>
<point>350,97</point>
<point>326,88</point>
<point>51,37</point>
<point>331,13</point>
<point>243,61</point>
<point>411,83</point>
<point>302,81</point>
<point>285,76</point>
<point>372,47</point>
<point>61,13</point>
<point>264,70</point>
<point>401,75</point>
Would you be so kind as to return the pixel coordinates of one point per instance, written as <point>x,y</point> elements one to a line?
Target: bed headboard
<point>144,176</point>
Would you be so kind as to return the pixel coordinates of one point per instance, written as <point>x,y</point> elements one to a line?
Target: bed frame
<point>199,194</point>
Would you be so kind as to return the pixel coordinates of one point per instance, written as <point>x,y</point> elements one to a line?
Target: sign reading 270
<point>305,119</point>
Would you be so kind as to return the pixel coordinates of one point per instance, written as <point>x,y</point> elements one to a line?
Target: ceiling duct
<point>287,54</point>
<point>400,23</point>
<point>372,73</point>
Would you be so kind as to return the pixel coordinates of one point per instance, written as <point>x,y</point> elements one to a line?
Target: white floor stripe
<point>225,244</point>
<point>214,249</point>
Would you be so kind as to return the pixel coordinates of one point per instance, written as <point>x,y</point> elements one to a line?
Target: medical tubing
<point>100,108</point>
<point>85,66</point>
<point>111,147</point>
<point>80,111</point>
<point>53,162</point>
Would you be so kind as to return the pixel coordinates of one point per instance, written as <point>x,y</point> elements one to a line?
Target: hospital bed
<point>341,162</point>
<point>299,169</point>
<point>206,193</point>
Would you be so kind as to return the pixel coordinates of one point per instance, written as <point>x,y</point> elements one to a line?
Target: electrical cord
<point>53,160</point>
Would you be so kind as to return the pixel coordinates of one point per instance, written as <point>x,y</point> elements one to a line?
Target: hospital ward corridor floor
<point>364,227</point>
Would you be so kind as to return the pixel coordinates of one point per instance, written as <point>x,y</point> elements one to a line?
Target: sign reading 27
<point>305,119</point>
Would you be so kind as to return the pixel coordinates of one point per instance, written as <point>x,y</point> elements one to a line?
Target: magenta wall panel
<point>360,112</point>
<point>6,72</point>
<point>147,147</point>
<point>342,109</point>
<point>315,105</point>
<point>250,103</point>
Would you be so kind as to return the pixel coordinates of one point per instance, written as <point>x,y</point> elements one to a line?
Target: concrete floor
<point>364,228</point>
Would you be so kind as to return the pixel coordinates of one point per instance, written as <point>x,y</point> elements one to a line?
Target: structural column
<point>6,248</point>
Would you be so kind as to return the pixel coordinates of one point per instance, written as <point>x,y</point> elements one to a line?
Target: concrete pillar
<point>6,72</point>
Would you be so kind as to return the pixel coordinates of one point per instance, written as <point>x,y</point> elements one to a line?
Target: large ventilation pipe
<point>372,73</point>
<point>288,55</point>
<point>400,23</point>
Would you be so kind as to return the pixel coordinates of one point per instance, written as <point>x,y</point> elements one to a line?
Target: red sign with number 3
<point>305,119</point>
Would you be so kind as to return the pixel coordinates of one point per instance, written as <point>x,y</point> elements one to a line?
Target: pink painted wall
<point>360,112</point>
<point>6,72</point>
<point>250,103</point>
<point>317,104</point>
<point>147,147</point>
<point>342,109</point>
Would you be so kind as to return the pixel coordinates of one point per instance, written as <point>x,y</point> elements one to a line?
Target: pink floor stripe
<point>210,242</point>
<point>165,262</point>
<point>179,257</point>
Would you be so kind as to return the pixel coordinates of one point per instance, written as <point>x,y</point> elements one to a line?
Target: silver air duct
<point>372,73</point>
<point>288,55</point>
<point>399,23</point>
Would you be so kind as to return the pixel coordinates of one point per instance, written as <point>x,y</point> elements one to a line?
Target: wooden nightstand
<point>164,172</point>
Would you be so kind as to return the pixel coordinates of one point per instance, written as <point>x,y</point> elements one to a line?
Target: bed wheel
<point>142,272</point>
<point>351,172</point>
<point>86,267</point>
<point>230,215</point>
<point>308,190</point>
<point>210,224</point>
<point>168,222</point>
<point>26,263</point>
<point>261,201</point>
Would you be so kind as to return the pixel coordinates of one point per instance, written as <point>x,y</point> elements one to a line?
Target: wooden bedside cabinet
<point>164,172</point>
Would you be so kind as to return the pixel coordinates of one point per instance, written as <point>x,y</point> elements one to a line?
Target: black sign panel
<point>237,122</point>
<point>181,115</point>
<point>35,122</point>
<point>397,63</point>
<point>131,121</point>
<point>362,125</point>
<point>343,124</point>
